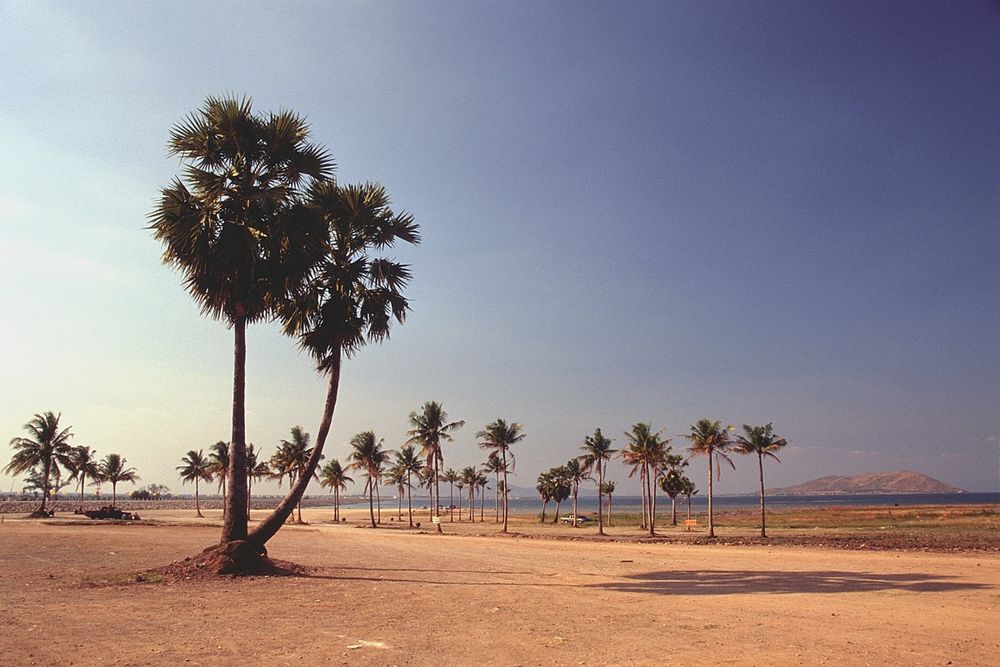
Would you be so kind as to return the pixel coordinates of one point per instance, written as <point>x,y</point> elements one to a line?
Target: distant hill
<point>901,481</point>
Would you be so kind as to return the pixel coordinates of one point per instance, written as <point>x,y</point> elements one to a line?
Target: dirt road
<point>394,597</point>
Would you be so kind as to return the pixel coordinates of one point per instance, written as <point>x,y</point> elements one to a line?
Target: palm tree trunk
<point>673,510</point>
<point>760,462</point>
<point>234,520</point>
<point>114,493</point>
<point>46,467</point>
<point>642,486</point>
<point>609,509</point>
<point>399,505</point>
<point>378,498</point>
<point>600,498</point>
<point>651,480</point>
<point>711,517</point>
<point>83,482</point>
<point>371,502</point>
<point>336,504</point>
<point>496,495</point>
<point>276,519</point>
<point>197,504</point>
<point>249,488</point>
<point>545,503</point>
<point>505,491</point>
<point>482,503</point>
<point>451,503</point>
<point>576,490</point>
<point>437,487</point>
<point>555,519</point>
<point>689,507</point>
<point>409,499</point>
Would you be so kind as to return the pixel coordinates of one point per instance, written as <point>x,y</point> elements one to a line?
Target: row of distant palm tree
<point>47,452</point>
<point>649,455</point>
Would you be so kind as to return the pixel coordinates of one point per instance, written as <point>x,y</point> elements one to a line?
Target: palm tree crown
<point>46,447</point>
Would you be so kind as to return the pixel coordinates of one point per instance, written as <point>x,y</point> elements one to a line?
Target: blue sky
<point>752,212</point>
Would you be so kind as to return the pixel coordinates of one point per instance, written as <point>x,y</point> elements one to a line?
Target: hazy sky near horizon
<point>755,212</point>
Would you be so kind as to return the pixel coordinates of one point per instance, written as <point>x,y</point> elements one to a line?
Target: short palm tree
<point>113,469</point>
<point>576,472</point>
<point>645,453</point>
<point>450,476</point>
<point>708,438</point>
<point>256,470</point>
<point>497,438</point>
<point>83,464</point>
<point>429,428</point>
<point>368,457</point>
<point>235,228</point>
<point>468,476</point>
<point>47,447</point>
<point>350,299</point>
<point>397,477</point>
<point>561,488</point>
<point>597,452</point>
<point>292,460</point>
<point>409,461</point>
<point>608,488</point>
<point>688,489</point>
<point>195,466</point>
<point>334,477</point>
<point>669,481</point>
<point>762,441</point>
<point>218,458</point>
<point>545,489</point>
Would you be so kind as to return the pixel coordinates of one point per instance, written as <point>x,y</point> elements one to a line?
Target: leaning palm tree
<point>114,470</point>
<point>710,439</point>
<point>218,458</point>
<point>333,476</point>
<point>350,300</point>
<point>497,438</point>
<point>576,472</point>
<point>368,457</point>
<point>46,448</point>
<point>194,467</point>
<point>597,453</point>
<point>430,427</point>
<point>83,464</point>
<point>235,228</point>
<point>409,461</point>
<point>450,476</point>
<point>762,441</point>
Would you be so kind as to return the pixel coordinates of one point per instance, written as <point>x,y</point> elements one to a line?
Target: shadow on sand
<point>729,582</point>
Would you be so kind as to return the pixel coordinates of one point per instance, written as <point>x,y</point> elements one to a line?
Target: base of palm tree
<point>236,558</point>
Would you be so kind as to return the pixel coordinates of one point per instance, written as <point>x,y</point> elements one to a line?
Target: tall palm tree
<point>408,459</point>
<point>762,441</point>
<point>430,427</point>
<point>368,457</point>
<point>194,467</point>
<point>256,470</point>
<point>710,439</point>
<point>497,438</point>
<point>450,476</point>
<point>47,447</point>
<point>608,488</point>
<point>334,477</point>
<point>350,299</point>
<point>597,453</point>
<point>83,464</point>
<point>235,228</point>
<point>218,458</point>
<point>645,452</point>
<point>576,472</point>
<point>113,469</point>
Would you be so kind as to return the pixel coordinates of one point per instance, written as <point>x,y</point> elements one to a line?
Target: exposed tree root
<point>237,558</point>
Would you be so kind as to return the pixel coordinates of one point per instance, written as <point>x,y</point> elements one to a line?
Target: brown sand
<point>393,596</point>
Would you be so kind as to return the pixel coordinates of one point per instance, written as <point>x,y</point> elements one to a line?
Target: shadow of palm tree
<point>728,582</point>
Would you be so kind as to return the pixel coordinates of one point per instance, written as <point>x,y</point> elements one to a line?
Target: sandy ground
<point>399,597</point>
